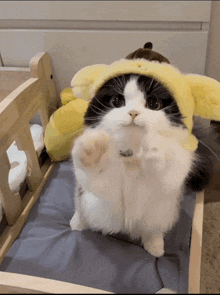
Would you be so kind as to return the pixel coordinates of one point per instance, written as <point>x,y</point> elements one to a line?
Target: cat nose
<point>133,114</point>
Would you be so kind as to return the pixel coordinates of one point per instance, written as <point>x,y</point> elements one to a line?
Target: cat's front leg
<point>153,154</point>
<point>90,149</point>
<point>154,244</point>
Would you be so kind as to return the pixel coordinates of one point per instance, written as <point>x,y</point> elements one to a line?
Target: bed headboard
<point>36,94</point>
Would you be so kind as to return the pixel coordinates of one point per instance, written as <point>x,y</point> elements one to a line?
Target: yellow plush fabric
<point>195,95</point>
<point>169,76</point>
<point>84,78</point>
<point>65,124</point>
<point>206,94</point>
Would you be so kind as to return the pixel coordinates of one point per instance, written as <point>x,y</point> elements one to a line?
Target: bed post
<point>38,93</point>
<point>40,67</point>
<point>196,245</point>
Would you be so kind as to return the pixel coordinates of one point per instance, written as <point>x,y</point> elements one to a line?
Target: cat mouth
<point>133,124</point>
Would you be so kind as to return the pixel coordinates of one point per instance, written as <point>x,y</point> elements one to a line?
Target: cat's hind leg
<point>76,223</point>
<point>154,244</point>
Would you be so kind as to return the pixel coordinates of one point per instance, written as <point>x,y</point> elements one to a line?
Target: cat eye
<point>117,101</point>
<point>154,103</point>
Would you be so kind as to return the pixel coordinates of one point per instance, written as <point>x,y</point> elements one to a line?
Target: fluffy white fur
<point>138,195</point>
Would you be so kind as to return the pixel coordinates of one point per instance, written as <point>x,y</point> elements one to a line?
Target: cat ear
<point>206,94</point>
<point>84,79</point>
<point>148,45</point>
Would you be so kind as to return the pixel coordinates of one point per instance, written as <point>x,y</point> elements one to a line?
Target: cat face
<point>133,101</point>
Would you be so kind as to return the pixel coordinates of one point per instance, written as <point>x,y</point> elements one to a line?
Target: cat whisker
<point>69,135</point>
<point>156,84</point>
<point>124,81</point>
<point>172,104</point>
<point>158,88</point>
<point>100,111</point>
<point>152,80</point>
<point>95,111</point>
<point>118,90</point>
<point>118,84</point>
<point>173,115</point>
<point>101,103</point>
<point>201,127</point>
<point>114,87</point>
<point>209,149</point>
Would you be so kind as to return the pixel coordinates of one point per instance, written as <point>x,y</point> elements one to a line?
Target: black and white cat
<point>130,177</point>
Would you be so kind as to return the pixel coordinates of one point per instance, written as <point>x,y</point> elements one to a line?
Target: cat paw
<point>91,147</point>
<point>155,246</point>
<point>76,224</point>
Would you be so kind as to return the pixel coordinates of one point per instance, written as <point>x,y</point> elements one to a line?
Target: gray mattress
<point>47,247</point>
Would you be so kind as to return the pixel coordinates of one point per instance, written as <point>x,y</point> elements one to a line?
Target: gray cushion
<point>48,248</point>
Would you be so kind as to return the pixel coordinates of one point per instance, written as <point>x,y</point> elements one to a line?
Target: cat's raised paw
<point>92,147</point>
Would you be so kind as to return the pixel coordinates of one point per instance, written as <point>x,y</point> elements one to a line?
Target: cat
<point>130,177</point>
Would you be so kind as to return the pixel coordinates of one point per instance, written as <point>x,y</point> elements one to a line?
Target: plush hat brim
<point>195,95</point>
<point>168,75</point>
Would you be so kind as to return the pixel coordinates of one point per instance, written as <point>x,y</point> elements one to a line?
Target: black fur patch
<point>153,88</point>
<point>100,104</point>
<point>203,167</point>
<point>201,173</point>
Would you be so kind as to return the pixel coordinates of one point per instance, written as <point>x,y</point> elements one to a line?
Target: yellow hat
<point>195,95</point>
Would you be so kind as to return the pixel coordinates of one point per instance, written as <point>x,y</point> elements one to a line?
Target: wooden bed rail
<point>196,246</point>
<point>21,284</point>
<point>11,78</point>
<point>37,94</point>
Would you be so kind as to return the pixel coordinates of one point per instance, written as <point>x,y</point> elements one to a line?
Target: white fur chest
<point>148,206</point>
<point>125,198</point>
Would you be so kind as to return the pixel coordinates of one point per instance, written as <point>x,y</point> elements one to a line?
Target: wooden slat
<point>19,107</point>
<point>40,66</point>
<point>25,143</point>
<point>17,283</point>
<point>11,78</point>
<point>11,232</point>
<point>45,114</point>
<point>196,246</point>
<point>11,201</point>
<point>3,94</point>
<point>16,111</point>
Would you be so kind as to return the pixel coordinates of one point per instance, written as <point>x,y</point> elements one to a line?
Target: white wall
<point>213,52</point>
<point>107,10</point>
<point>81,33</point>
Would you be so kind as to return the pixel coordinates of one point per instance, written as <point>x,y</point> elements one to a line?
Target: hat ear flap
<point>84,79</point>
<point>206,94</point>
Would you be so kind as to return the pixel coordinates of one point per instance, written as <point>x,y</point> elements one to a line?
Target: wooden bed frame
<point>24,92</point>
